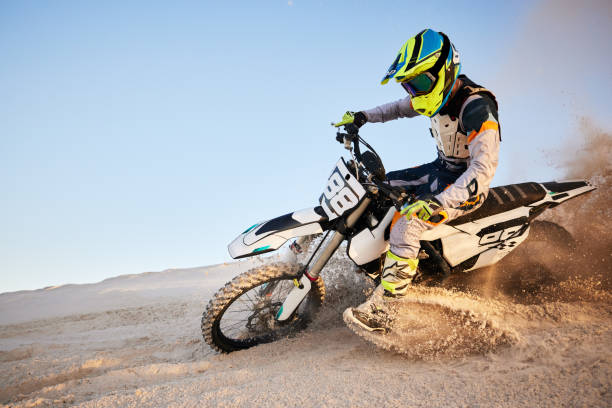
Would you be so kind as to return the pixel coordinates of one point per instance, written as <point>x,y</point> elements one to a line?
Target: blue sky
<point>140,136</point>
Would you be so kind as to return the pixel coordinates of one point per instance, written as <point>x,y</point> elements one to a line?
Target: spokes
<point>254,313</point>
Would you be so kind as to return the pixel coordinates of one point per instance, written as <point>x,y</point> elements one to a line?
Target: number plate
<point>341,193</point>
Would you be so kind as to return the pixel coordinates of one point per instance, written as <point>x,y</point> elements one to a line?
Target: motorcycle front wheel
<point>242,314</point>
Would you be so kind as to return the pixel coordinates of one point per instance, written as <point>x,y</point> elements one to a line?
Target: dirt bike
<point>358,206</point>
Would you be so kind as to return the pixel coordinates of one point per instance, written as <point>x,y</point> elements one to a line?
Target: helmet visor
<point>420,84</point>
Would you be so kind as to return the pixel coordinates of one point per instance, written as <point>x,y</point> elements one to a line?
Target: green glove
<point>425,210</point>
<point>357,118</point>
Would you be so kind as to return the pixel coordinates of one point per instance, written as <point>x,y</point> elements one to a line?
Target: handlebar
<point>371,161</point>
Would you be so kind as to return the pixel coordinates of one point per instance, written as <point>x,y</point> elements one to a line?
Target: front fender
<point>272,234</point>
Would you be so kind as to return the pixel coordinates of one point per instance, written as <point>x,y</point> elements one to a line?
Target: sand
<point>70,346</point>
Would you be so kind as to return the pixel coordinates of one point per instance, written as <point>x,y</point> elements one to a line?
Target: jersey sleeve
<point>401,108</point>
<point>480,122</point>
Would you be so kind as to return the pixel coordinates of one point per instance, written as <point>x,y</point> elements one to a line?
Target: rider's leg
<point>398,273</point>
<point>413,178</point>
<point>401,261</point>
<point>397,276</point>
<point>402,258</point>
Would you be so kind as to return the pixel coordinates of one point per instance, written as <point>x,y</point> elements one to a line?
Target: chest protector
<point>446,127</point>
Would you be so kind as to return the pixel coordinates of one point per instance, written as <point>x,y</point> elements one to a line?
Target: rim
<point>250,318</point>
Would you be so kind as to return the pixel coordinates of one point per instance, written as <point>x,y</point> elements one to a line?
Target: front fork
<point>303,286</point>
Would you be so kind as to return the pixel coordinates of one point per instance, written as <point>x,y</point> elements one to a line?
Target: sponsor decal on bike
<point>503,235</point>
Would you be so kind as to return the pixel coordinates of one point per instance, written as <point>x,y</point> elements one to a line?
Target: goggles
<point>420,84</point>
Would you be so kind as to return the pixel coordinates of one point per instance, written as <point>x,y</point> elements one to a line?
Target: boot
<point>375,314</point>
<point>398,274</point>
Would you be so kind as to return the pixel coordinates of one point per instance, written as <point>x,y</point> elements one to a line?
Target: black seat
<point>504,198</point>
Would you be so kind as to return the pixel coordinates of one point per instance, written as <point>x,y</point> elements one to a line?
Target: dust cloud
<point>589,218</point>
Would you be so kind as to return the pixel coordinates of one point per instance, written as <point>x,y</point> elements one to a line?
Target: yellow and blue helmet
<point>427,66</point>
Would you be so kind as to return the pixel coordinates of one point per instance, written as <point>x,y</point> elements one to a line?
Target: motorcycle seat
<point>504,198</point>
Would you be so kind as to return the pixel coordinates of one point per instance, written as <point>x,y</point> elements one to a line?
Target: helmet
<point>427,66</point>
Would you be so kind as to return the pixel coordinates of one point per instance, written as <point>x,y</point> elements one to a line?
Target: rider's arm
<point>393,110</point>
<point>481,125</point>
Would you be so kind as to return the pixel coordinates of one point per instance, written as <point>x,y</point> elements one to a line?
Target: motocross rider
<point>465,127</point>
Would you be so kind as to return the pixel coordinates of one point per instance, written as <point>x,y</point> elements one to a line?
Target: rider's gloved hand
<point>357,118</point>
<point>427,210</point>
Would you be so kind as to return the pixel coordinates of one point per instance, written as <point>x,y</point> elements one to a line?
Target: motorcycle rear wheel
<point>242,313</point>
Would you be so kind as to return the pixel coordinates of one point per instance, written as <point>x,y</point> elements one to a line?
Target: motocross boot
<point>376,313</point>
<point>398,274</point>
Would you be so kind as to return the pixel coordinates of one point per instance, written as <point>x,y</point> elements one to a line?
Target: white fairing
<point>370,244</point>
<point>493,237</point>
<point>489,237</point>
<point>270,235</point>
<point>502,248</point>
<point>342,192</point>
<point>306,216</point>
